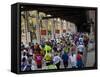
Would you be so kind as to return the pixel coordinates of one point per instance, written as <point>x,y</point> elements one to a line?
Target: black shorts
<point>39,66</point>
<point>65,64</point>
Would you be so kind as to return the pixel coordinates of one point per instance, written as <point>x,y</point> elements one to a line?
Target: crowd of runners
<point>66,51</point>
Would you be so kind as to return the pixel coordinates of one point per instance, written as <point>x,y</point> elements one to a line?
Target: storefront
<point>37,25</point>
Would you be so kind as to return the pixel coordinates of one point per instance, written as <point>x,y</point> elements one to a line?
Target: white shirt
<point>24,57</point>
<point>81,39</point>
<point>56,59</point>
<point>81,48</point>
<point>73,59</point>
<point>30,52</point>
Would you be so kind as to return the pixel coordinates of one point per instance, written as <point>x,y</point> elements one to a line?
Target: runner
<point>38,59</point>
<point>65,59</point>
<point>79,61</point>
<point>73,60</point>
<point>48,58</point>
<point>57,60</point>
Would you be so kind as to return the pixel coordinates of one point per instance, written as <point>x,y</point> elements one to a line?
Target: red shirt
<point>79,57</point>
